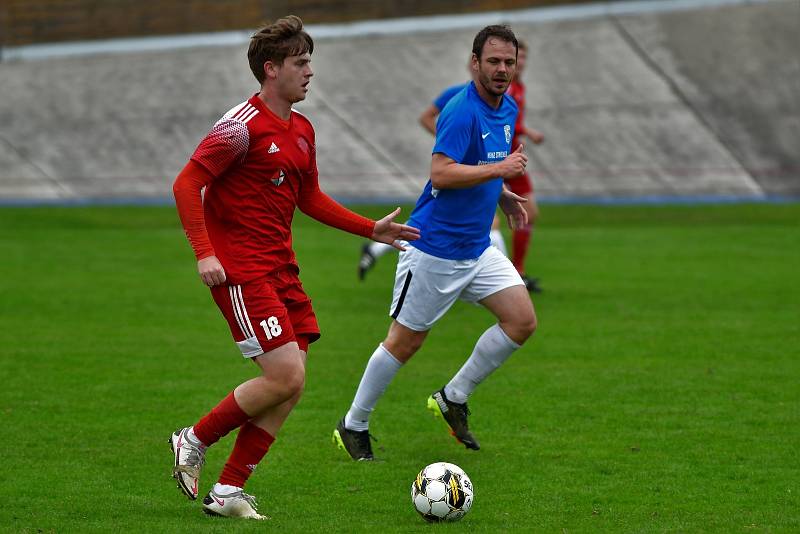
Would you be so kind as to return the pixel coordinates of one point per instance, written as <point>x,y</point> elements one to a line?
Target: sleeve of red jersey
<point>226,143</point>
<point>315,203</point>
<point>188,198</point>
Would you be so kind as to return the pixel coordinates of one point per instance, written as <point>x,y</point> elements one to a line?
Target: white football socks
<point>492,349</point>
<point>496,238</point>
<point>224,489</point>
<point>381,368</point>
<point>379,249</point>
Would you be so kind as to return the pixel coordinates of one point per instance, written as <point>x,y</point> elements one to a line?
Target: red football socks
<point>519,247</point>
<point>252,444</point>
<point>226,416</point>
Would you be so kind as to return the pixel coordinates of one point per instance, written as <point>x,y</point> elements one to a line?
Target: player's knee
<point>522,328</point>
<point>295,380</point>
<point>403,348</point>
<point>529,326</point>
<point>533,212</point>
<point>533,216</point>
<point>288,378</point>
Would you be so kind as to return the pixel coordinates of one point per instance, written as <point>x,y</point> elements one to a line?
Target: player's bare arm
<point>513,206</point>
<point>428,119</point>
<point>536,137</point>
<point>389,232</point>
<point>447,174</point>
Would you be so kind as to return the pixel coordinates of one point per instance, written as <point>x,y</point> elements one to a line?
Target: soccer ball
<point>442,492</point>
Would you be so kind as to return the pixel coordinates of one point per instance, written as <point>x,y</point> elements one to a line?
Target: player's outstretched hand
<point>513,165</point>
<point>211,271</point>
<point>389,232</point>
<point>512,206</point>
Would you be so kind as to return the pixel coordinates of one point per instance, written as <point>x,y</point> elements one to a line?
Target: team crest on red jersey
<point>278,180</point>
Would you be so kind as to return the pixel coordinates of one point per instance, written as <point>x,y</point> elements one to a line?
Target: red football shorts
<point>521,185</point>
<point>267,313</point>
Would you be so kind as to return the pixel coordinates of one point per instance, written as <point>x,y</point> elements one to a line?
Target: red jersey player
<point>523,185</point>
<point>257,164</point>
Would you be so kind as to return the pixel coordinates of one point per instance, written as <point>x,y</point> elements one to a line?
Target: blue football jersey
<point>446,95</point>
<point>455,223</point>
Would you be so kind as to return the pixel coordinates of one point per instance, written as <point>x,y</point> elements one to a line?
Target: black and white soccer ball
<point>442,492</point>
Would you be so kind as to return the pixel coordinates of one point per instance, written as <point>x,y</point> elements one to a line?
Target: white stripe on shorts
<point>237,311</point>
<point>244,312</point>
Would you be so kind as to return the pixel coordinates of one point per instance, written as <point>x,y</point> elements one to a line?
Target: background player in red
<point>523,185</point>
<point>257,164</point>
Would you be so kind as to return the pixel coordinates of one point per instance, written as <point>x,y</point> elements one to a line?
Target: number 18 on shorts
<point>266,314</point>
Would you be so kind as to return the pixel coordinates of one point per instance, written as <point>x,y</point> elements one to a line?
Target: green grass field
<point>661,392</point>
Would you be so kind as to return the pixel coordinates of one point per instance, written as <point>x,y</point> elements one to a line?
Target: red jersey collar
<point>259,105</point>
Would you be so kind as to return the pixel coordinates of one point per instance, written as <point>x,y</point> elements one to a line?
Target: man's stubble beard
<point>489,89</point>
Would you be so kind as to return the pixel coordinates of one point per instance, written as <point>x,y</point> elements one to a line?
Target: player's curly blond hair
<point>275,42</point>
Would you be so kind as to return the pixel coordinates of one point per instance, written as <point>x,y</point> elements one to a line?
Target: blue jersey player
<point>453,260</point>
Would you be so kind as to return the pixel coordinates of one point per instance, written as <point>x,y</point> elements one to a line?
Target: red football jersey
<point>261,168</point>
<point>517,90</point>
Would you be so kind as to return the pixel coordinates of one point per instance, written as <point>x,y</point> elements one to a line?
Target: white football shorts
<point>425,286</point>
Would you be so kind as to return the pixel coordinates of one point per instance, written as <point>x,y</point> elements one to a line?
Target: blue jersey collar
<point>473,92</point>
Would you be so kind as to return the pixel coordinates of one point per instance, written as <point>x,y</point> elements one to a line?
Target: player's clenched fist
<point>513,165</point>
<point>211,271</point>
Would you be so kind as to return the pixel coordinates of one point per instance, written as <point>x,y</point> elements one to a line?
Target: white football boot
<point>236,504</point>
<point>190,455</point>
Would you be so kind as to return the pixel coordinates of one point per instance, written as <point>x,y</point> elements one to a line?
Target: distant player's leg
<point>520,238</point>
<point>370,252</point>
<point>499,289</point>
<point>496,236</point>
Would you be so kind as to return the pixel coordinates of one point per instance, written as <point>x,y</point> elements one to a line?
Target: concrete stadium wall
<point>686,104</point>
<point>25,22</point>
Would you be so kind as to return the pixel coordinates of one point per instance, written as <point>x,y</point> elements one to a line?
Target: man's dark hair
<point>496,30</point>
<point>275,42</point>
